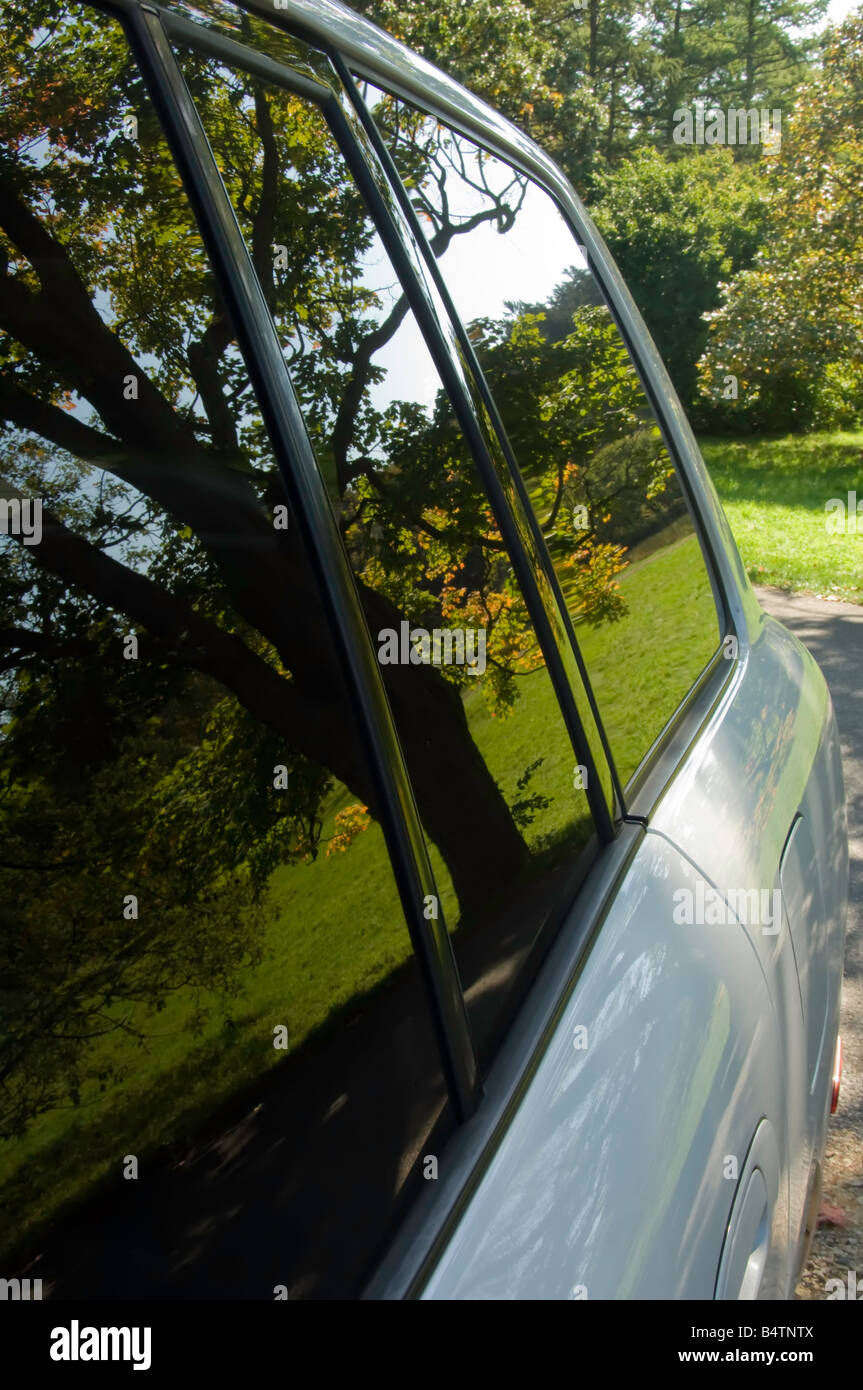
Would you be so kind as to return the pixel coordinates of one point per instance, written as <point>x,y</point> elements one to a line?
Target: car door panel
<point>619,1169</point>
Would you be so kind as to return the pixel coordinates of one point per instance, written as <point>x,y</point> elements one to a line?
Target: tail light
<point>837,1076</point>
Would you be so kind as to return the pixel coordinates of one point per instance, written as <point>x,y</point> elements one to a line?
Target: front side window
<point>499,791</point>
<point>213,1033</point>
<point>600,478</point>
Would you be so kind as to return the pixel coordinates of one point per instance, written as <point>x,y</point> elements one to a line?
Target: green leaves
<point>678,228</point>
<point>791,327</point>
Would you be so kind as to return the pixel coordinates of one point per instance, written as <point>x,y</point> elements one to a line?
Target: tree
<point>595,82</point>
<point>749,53</point>
<point>769,47</point>
<point>789,328</point>
<point>676,229</point>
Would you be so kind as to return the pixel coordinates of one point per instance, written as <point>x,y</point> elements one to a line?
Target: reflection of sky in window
<point>484,269</point>
<point>526,264</point>
<point>410,372</point>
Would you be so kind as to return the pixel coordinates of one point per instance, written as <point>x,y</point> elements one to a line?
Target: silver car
<point>425,864</point>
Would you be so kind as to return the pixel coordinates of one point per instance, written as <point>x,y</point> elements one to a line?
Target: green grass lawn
<point>335,928</point>
<point>774,493</point>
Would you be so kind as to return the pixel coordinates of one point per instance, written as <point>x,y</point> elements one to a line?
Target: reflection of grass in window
<point>643,665</point>
<point>336,932</point>
<point>509,746</point>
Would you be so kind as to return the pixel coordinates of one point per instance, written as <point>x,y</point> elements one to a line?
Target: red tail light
<point>837,1076</point>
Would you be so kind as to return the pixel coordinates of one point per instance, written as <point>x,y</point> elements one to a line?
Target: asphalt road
<point>833,632</point>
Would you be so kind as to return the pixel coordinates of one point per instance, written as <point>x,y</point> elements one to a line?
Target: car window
<point>499,791</point>
<point>213,1027</point>
<point>601,481</point>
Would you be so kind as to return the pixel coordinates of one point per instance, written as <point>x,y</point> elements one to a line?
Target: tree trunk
<point>749,88</point>
<point>673,83</point>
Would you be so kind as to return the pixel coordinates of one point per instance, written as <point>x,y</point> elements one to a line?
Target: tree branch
<point>198,643</point>
<point>62,326</point>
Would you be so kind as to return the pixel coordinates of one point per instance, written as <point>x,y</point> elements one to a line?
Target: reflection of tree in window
<point>418,527</point>
<point>600,479</point>
<point>424,544</point>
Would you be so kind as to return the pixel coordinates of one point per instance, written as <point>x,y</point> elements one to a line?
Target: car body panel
<point>609,1182</point>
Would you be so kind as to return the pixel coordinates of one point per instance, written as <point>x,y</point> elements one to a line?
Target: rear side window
<point>498,788</point>
<point>601,481</point>
<point>213,1032</point>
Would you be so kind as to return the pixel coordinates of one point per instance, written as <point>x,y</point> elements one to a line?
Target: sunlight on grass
<point>774,493</point>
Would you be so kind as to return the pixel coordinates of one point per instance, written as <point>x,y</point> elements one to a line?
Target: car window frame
<point>376,56</point>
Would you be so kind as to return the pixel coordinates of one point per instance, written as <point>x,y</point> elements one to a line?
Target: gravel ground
<point>833,632</point>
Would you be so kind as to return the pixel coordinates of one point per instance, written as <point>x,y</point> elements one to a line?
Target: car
<point>425,863</point>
